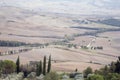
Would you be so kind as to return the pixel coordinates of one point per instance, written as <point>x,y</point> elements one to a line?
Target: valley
<point>64,37</point>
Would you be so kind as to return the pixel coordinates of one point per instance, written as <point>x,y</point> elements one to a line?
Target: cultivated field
<point>21,25</point>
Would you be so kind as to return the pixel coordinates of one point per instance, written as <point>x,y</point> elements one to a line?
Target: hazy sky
<point>69,6</point>
<point>37,3</point>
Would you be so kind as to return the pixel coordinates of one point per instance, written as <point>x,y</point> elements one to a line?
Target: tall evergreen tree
<point>40,68</point>
<point>44,66</point>
<point>112,67</point>
<point>37,69</point>
<point>49,64</point>
<point>18,65</point>
<point>117,70</point>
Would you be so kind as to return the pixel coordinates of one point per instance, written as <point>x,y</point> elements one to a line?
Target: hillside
<point>60,31</point>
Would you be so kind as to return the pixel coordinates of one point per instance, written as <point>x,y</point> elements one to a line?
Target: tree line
<point>11,43</point>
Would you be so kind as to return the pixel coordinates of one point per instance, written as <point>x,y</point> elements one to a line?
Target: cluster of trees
<point>7,67</point>
<point>72,45</point>
<point>109,72</point>
<point>42,69</point>
<point>11,43</point>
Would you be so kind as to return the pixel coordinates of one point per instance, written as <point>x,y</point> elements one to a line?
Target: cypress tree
<point>117,70</point>
<point>18,65</point>
<point>49,64</point>
<point>40,68</point>
<point>44,66</point>
<point>37,69</point>
<point>112,67</point>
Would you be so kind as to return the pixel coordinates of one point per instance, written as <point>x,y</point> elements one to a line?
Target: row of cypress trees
<point>42,69</point>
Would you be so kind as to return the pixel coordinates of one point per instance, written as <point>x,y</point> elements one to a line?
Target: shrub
<point>51,76</point>
<point>87,71</point>
<point>95,77</point>
<point>27,69</point>
<point>112,76</point>
<point>8,67</point>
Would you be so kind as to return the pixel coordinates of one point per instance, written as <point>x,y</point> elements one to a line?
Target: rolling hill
<point>60,31</point>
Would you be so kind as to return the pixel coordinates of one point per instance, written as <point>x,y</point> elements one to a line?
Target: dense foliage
<point>7,67</point>
<point>109,72</point>
<point>95,77</point>
<point>52,76</point>
<point>87,71</point>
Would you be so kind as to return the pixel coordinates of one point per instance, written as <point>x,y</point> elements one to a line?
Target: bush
<point>8,67</point>
<point>51,76</point>
<point>113,76</point>
<point>87,71</point>
<point>27,69</point>
<point>95,77</point>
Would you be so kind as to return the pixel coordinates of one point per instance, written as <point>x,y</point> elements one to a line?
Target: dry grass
<point>15,22</point>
